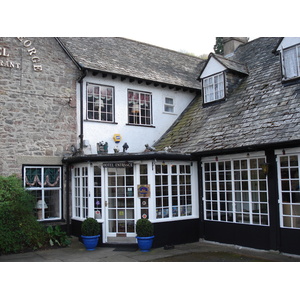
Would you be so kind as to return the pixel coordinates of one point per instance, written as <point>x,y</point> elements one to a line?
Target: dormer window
<point>291,62</point>
<point>289,49</point>
<point>213,88</point>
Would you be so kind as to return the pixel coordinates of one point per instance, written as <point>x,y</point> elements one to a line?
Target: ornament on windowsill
<point>97,211</point>
<point>97,214</point>
<point>102,147</point>
<point>148,148</point>
<point>167,149</point>
<point>116,149</point>
<point>125,147</point>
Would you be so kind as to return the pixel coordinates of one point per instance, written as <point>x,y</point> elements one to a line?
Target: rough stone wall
<point>37,103</point>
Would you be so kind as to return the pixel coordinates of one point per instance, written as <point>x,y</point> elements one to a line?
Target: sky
<point>184,43</point>
<point>190,25</point>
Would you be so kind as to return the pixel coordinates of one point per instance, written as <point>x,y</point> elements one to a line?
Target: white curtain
<point>290,62</point>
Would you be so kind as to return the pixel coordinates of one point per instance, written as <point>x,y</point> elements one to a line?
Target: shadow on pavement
<point>211,257</point>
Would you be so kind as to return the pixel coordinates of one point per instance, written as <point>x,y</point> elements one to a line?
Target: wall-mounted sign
<point>118,165</point>
<point>144,191</point>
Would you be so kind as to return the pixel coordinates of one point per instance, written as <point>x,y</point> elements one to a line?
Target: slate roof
<point>135,59</point>
<point>227,63</point>
<point>259,111</point>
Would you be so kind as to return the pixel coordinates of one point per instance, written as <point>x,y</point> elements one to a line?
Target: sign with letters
<point>118,165</point>
<point>7,62</point>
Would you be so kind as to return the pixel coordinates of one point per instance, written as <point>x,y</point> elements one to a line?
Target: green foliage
<point>144,228</point>
<point>12,191</point>
<point>218,47</point>
<point>57,236</point>
<point>90,227</point>
<point>20,230</point>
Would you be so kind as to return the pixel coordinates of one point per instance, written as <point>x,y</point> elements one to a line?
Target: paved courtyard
<point>202,251</point>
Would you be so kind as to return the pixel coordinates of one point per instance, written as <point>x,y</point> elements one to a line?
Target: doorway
<point>120,209</point>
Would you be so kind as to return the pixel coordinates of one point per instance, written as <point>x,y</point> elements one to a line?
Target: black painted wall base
<point>238,234</point>
<point>167,233</point>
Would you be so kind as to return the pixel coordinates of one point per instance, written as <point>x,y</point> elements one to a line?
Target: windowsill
<point>169,113</point>
<point>82,219</point>
<point>140,125</point>
<point>51,220</point>
<point>103,122</point>
<point>290,81</point>
<point>163,220</point>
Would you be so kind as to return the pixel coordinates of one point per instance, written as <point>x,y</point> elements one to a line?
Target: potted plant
<point>90,233</point>
<point>144,231</point>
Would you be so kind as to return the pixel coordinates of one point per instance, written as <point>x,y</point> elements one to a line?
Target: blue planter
<point>145,243</point>
<point>90,242</point>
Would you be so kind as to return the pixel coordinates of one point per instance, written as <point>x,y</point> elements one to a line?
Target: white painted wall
<point>288,42</point>
<point>135,136</point>
<point>212,67</point>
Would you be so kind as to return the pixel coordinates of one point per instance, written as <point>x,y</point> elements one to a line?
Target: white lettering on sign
<point>4,52</point>
<point>37,66</point>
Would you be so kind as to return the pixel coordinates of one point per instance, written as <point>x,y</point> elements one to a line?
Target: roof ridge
<point>159,47</point>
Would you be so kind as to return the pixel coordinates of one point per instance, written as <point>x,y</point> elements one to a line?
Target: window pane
<point>139,108</point>
<point>45,184</point>
<point>241,199</point>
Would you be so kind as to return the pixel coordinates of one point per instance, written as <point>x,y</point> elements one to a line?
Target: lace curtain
<point>291,62</point>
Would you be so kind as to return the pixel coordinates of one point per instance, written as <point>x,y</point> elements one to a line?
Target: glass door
<point>120,202</point>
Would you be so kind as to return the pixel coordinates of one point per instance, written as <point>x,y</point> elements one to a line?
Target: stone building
<point>37,116</point>
<point>120,130</point>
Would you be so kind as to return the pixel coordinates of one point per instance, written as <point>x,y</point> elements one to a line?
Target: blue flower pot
<point>90,242</point>
<point>145,243</point>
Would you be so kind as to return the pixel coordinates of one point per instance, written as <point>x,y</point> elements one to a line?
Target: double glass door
<point>120,202</point>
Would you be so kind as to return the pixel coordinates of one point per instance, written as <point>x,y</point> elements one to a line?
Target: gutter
<point>127,157</point>
<point>69,54</point>
<point>80,81</point>
<point>250,148</point>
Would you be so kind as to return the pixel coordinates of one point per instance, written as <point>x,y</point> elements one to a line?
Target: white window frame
<point>288,187</point>
<point>214,87</point>
<point>185,193</point>
<point>80,191</point>
<point>169,105</point>
<point>291,62</point>
<point>102,106</point>
<point>226,199</point>
<point>43,185</point>
<point>139,105</point>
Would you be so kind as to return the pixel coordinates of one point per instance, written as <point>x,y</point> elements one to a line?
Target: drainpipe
<point>80,80</point>
<point>68,166</point>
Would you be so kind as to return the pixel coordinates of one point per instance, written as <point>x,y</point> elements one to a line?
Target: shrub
<point>90,227</point>
<point>19,228</point>
<point>56,236</point>
<point>144,228</point>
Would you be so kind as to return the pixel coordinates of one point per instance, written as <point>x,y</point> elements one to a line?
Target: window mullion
<point>249,192</point>
<point>233,192</point>
<point>218,191</point>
